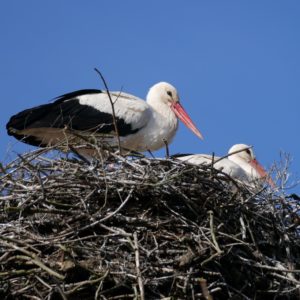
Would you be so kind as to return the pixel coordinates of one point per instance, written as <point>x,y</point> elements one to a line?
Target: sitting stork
<point>240,163</point>
<point>141,125</point>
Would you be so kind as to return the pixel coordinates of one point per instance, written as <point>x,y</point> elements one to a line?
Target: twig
<point>80,284</point>
<point>205,291</point>
<point>119,208</point>
<point>137,264</point>
<point>232,153</point>
<point>113,109</point>
<point>33,258</point>
<point>212,231</point>
<point>150,152</point>
<point>286,278</point>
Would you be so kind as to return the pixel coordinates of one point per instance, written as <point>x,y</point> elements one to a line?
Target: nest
<point>140,228</point>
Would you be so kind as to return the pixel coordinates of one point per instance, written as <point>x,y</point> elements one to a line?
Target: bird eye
<point>169,93</point>
<point>248,151</point>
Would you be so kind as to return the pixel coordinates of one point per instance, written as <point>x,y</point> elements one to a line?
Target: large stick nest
<point>142,228</point>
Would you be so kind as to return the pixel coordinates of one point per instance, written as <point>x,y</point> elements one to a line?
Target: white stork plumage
<point>142,125</point>
<point>240,163</point>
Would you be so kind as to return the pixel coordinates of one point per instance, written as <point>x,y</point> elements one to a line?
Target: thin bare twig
<point>212,231</point>
<point>34,259</point>
<point>113,109</point>
<point>137,264</point>
<point>205,291</point>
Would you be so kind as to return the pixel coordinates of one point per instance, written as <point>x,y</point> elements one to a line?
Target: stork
<point>240,163</point>
<point>142,125</point>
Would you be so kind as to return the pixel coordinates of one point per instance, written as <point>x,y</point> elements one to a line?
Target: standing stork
<point>141,125</point>
<point>240,163</point>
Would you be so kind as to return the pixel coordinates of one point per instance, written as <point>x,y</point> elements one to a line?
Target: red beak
<point>184,117</point>
<point>261,171</point>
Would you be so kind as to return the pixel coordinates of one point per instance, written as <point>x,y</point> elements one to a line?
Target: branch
<point>33,258</point>
<point>137,266</point>
<point>234,152</point>
<point>211,224</point>
<point>113,109</point>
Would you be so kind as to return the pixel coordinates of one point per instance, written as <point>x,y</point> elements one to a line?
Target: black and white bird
<point>240,163</point>
<point>142,125</point>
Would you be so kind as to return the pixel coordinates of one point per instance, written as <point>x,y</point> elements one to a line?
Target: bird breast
<point>161,127</point>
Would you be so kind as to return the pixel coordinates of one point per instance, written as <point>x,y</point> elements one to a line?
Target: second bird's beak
<point>262,172</point>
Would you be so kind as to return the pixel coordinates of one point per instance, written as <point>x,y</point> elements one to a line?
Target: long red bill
<point>261,171</point>
<point>184,117</point>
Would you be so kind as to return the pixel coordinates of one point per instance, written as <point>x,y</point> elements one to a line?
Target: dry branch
<point>112,108</point>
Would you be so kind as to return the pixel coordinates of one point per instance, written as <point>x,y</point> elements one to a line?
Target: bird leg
<point>167,149</point>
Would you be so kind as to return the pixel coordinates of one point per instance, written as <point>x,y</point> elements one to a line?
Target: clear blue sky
<point>236,64</point>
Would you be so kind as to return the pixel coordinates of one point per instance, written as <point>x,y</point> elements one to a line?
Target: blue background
<point>236,64</point>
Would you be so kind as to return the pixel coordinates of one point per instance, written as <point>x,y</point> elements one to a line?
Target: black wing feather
<point>76,94</point>
<point>66,111</point>
<point>176,155</point>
